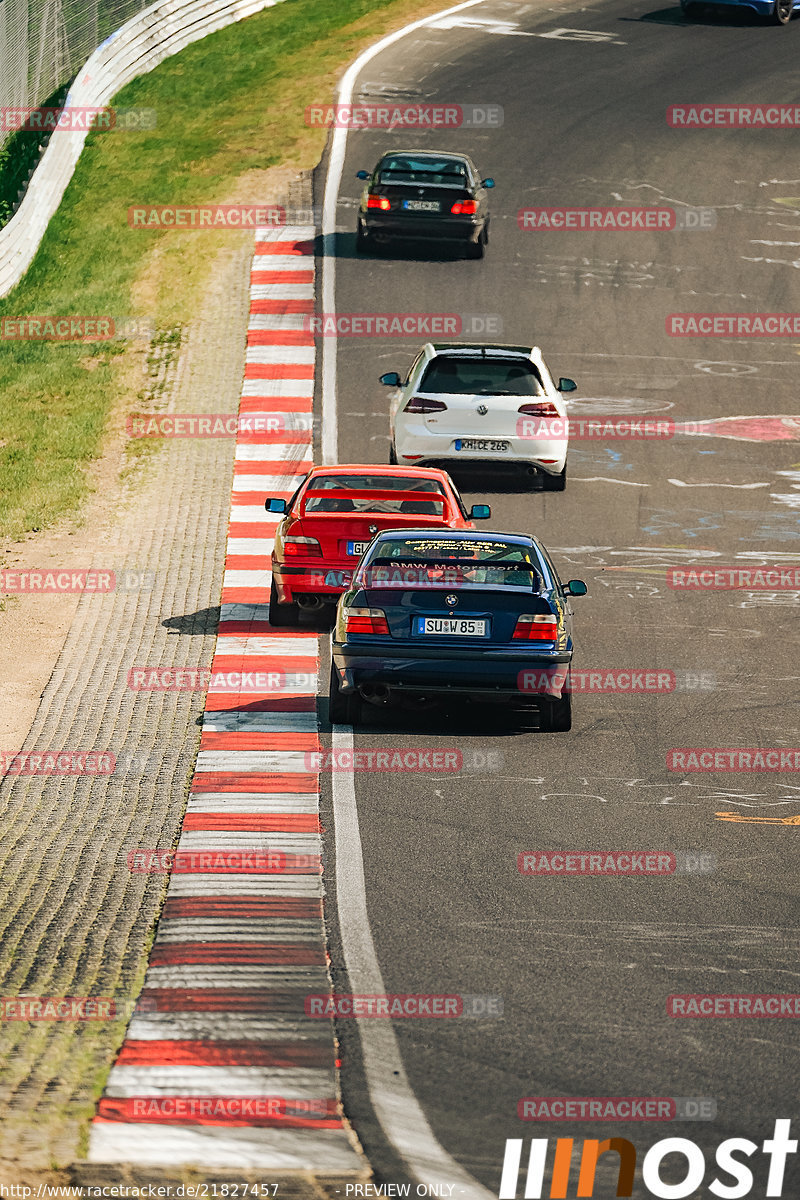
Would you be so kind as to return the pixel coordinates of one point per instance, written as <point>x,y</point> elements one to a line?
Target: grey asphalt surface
<point>585,965</point>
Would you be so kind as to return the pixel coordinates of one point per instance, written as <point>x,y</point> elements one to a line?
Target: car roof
<point>460,348</point>
<point>458,535</point>
<point>380,469</point>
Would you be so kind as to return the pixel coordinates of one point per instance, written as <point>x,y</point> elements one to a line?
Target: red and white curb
<point>238,948</point>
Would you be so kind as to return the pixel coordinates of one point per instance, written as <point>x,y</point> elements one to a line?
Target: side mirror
<point>488,183</point>
<point>480,512</point>
<point>390,379</point>
<point>362,174</point>
<point>273,505</point>
<point>567,385</point>
<point>575,587</point>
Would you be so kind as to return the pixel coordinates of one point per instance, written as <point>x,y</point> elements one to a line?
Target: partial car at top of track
<point>484,404</point>
<point>480,615</point>
<point>425,195</point>
<point>780,11</point>
<point>334,515</point>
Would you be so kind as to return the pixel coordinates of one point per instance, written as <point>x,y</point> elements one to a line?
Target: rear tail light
<point>541,408</point>
<point>374,201</point>
<point>419,404</point>
<point>465,208</point>
<point>536,628</point>
<point>365,620</point>
<point>305,546</point>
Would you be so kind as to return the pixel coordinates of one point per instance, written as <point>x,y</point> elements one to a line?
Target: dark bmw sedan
<point>431,613</point>
<point>418,194</point>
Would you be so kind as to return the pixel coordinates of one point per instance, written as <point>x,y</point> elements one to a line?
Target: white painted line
<point>190,1027</point>
<point>172,930</point>
<point>250,546</point>
<point>230,975</point>
<point>330,430</point>
<point>272,451</point>
<point>255,513</point>
<point>218,839</point>
<point>283,262</point>
<point>270,484</point>
<point>260,722</point>
<point>288,683</point>
<point>280,355</point>
<point>232,579</point>
<point>244,885</point>
<point>253,802</point>
<point>239,1149</point>
<point>286,233</point>
<point>278,387</point>
<point>395,1105</point>
<point>281,291</point>
<point>293,1083</point>
<point>267,644</point>
<point>285,761</point>
<point>280,322</point>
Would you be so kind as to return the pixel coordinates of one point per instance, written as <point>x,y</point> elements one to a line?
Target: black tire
<point>281,615</point>
<point>556,717</point>
<point>392,454</point>
<point>344,708</point>
<point>555,483</point>
<point>782,12</point>
<point>364,243</point>
<point>475,249</point>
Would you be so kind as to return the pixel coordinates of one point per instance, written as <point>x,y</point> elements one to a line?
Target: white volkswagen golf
<point>481,404</point>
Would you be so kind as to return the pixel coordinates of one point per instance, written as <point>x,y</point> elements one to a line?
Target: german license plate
<point>450,626</point>
<point>486,444</point>
<point>422,205</point>
<point>356,549</point>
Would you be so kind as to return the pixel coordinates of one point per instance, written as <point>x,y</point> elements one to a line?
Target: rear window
<point>439,563</point>
<point>407,169</point>
<point>482,377</point>
<point>416,497</point>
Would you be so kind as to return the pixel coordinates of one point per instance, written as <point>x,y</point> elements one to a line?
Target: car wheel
<point>363,241</point>
<point>555,483</point>
<point>782,13</point>
<point>557,716</point>
<point>475,249</point>
<point>281,615</point>
<point>344,708</point>
<point>392,454</point>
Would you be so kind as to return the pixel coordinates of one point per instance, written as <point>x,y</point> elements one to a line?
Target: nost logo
<point>693,1164</point>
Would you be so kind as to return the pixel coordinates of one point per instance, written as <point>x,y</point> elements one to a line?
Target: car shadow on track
<point>445,718</point>
<point>343,245</point>
<point>702,15</point>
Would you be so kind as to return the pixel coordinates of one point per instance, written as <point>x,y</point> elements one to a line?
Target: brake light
<point>305,546</point>
<point>420,404</point>
<point>536,628</point>
<point>465,208</point>
<point>374,201</point>
<point>365,620</point>
<point>542,408</point>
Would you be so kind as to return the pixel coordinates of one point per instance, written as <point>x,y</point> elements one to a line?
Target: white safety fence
<point>140,44</point>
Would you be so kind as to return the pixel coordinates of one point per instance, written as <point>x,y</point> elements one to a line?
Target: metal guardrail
<point>136,47</point>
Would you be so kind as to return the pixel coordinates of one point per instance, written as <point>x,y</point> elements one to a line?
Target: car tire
<point>782,12</point>
<point>475,249</point>
<point>281,615</point>
<point>364,243</point>
<point>555,483</point>
<point>344,708</point>
<point>392,455</point>
<point>556,717</point>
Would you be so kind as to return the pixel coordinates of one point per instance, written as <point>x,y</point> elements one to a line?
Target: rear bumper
<point>444,228</point>
<point>311,579</point>
<point>415,443</point>
<point>512,673</point>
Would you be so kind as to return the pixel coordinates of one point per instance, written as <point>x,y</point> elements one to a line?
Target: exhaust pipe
<point>310,603</point>
<point>375,693</point>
